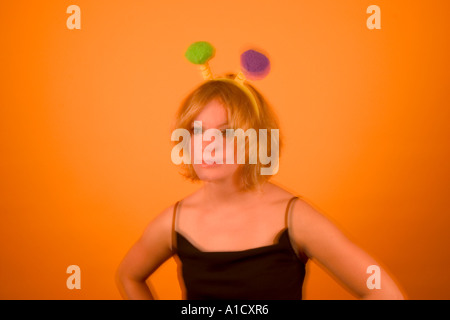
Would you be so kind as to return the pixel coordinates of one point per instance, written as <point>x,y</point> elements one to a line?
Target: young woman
<point>240,236</point>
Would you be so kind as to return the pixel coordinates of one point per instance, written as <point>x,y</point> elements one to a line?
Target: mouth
<point>211,165</point>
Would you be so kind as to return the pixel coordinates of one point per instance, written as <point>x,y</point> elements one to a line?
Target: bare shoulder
<point>164,218</point>
<point>274,192</point>
<point>159,229</point>
<point>312,230</point>
<point>193,199</point>
<point>305,209</point>
<point>307,217</point>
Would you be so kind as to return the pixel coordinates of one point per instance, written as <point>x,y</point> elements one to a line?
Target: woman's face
<point>213,116</point>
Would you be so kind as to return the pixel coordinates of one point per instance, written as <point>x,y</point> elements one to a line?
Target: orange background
<point>85,131</point>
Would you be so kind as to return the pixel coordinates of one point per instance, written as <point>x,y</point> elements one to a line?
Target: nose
<point>213,150</point>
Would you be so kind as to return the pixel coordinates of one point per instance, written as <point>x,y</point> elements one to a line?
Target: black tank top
<point>273,272</point>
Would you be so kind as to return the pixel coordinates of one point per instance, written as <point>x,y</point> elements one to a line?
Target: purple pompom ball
<point>254,64</point>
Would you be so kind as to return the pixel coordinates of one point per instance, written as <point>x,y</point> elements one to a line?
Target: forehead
<point>213,114</point>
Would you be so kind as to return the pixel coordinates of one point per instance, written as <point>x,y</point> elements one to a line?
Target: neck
<point>227,193</point>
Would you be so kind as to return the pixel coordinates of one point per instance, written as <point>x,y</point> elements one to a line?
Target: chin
<point>215,173</point>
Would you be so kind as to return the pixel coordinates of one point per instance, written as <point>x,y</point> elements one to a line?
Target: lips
<point>206,165</point>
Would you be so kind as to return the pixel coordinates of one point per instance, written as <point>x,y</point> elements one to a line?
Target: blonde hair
<point>241,114</point>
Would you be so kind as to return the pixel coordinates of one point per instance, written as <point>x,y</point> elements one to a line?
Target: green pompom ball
<point>199,52</point>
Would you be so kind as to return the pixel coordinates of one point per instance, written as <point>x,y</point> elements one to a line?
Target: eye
<point>196,130</point>
<point>230,134</point>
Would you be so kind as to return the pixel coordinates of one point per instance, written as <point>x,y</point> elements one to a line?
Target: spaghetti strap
<point>288,209</point>
<point>174,236</point>
<point>298,252</point>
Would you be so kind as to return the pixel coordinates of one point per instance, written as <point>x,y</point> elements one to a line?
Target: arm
<point>145,256</point>
<point>324,243</point>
